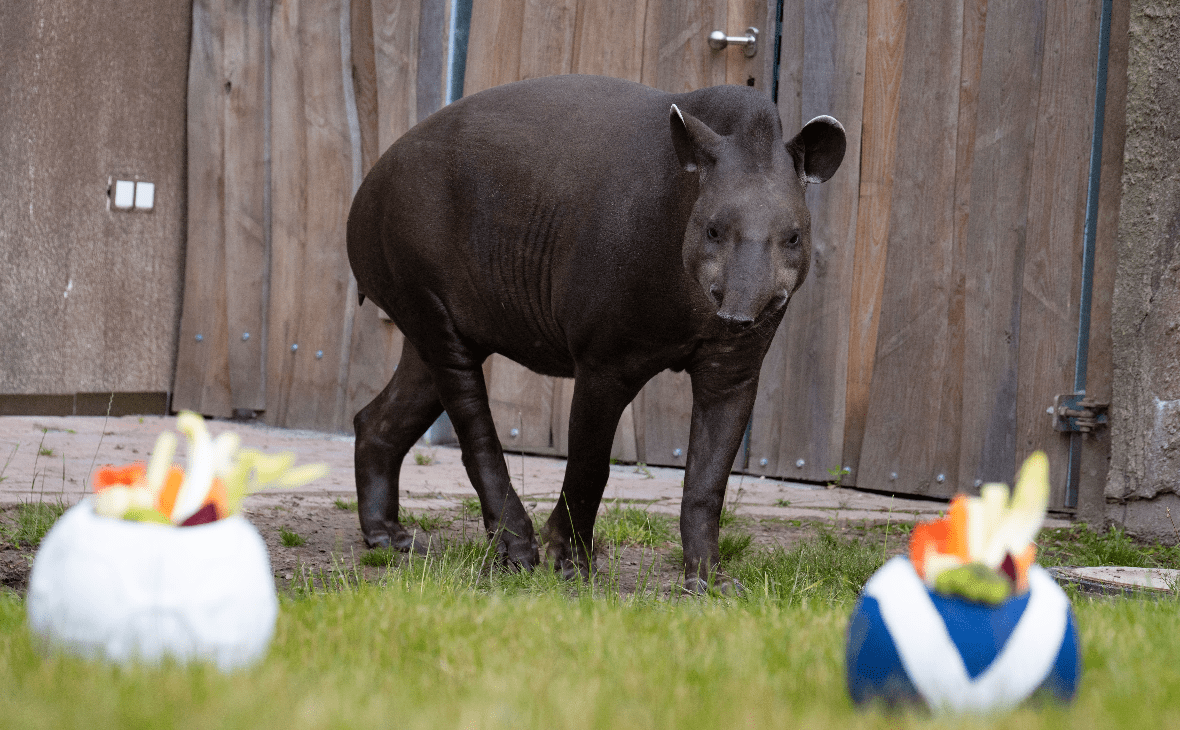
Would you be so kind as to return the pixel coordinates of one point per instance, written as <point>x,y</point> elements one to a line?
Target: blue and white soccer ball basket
<point>909,645</point>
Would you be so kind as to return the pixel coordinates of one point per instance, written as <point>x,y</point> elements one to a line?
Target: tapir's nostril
<point>736,321</point>
<point>716,293</point>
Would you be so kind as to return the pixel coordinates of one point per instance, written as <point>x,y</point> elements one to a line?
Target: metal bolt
<point>892,476</point>
<point>514,432</point>
<point>940,478</point>
<point>799,463</point>
<point>319,354</point>
<point>763,462</point>
<point>198,338</point>
<point>676,453</point>
<point>245,336</point>
<point>294,347</point>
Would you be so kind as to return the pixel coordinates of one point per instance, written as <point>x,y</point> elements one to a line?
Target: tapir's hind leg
<point>464,392</point>
<point>386,429</point>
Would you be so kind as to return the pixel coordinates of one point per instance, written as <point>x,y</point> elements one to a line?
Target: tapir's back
<point>484,205</point>
<point>531,209</point>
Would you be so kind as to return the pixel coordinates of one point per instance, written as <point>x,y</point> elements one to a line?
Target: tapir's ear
<point>696,145</point>
<point>818,149</point>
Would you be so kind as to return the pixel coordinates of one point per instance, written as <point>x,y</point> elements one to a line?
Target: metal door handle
<point>718,40</point>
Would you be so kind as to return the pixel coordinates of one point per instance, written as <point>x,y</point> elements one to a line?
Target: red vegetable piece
<point>206,514</point>
<point>1008,568</point>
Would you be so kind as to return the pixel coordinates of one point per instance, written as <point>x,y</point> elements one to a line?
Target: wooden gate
<point>940,316</point>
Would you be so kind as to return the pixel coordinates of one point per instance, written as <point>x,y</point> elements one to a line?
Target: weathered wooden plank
<point>246,36</point>
<point>374,352</point>
<point>521,402</point>
<point>432,56</point>
<point>1095,461</point>
<point>1009,90</point>
<point>949,426</point>
<point>1056,222</point>
<point>667,416</point>
<point>884,53</point>
<point>494,43</point>
<point>770,407</point>
<point>676,53</point>
<point>202,365</point>
<point>912,344</point>
<point>288,203</point>
<point>610,39</point>
<point>395,45</point>
<point>364,78</point>
<point>376,342</point>
<point>801,394</point>
<point>740,70</point>
<point>316,389</point>
<point>790,70</point>
<point>547,37</point>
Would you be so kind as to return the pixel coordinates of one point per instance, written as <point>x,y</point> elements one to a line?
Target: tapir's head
<point>748,241</point>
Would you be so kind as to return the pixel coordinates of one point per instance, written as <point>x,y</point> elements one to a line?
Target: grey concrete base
<point>1156,519</point>
<point>1116,580</point>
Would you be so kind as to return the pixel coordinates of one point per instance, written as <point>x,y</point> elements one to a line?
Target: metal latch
<point>718,40</point>
<point>1072,413</point>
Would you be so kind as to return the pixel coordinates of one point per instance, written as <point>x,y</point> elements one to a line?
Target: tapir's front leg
<point>598,402</point>
<point>721,404</point>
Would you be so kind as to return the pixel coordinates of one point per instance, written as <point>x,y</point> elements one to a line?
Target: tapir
<point>592,228</point>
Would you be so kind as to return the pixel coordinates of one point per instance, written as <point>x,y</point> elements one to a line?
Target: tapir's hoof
<point>558,554</point>
<point>724,585</point>
<point>572,570</point>
<point>405,542</point>
<point>518,556</point>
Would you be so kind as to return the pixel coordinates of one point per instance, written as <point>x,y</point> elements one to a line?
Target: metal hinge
<point>1073,413</point>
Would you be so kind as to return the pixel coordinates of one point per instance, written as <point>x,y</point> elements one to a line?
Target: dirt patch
<point>313,536</point>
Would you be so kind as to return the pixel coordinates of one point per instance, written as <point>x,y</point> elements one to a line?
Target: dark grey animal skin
<point>591,228</point>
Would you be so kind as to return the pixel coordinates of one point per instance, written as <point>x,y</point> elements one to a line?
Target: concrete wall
<point>90,91</point>
<point>1144,476</point>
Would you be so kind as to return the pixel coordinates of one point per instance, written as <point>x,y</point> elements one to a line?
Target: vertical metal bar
<point>457,48</point>
<point>1088,246</point>
<point>778,50</point>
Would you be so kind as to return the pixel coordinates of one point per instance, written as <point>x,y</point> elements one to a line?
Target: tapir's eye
<point>712,233</point>
<point>793,240</point>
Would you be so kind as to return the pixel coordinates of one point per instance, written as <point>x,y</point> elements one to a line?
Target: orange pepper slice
<point>166,499</point>
<point>928,537</point>
<point>956,543</point>
<point>1023,561</point>
<point>110,476</point>
<point>217,497</point>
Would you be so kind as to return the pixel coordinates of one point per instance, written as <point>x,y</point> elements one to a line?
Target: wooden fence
<point>940,317</point>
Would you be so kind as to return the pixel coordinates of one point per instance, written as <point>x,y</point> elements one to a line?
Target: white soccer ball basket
<point>133,591</point>
<point>907,644</point>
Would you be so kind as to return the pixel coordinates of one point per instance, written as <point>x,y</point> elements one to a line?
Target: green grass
<point>448,642</point>
<point>32,522</point>
<point>632,526</point>
<point>1080,545</point>
<point>423,459</point>
<point>471,508</point>
<point>345,505</point>
<point>291,538</point>
<point>425,521</point>
<point>451,640</point>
